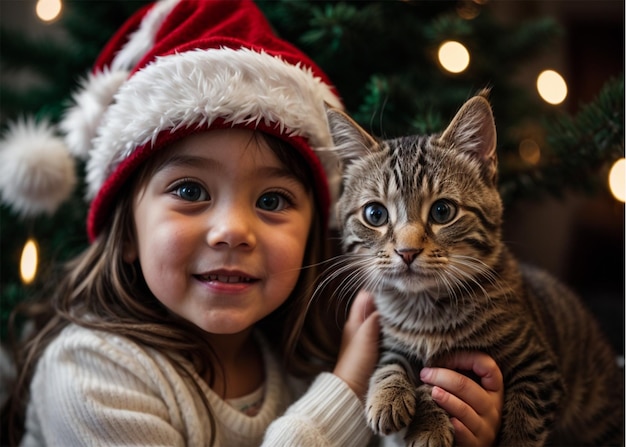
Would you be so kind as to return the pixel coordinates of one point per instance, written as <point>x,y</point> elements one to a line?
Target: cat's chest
<point>424,328</point>
<point>424,345</point>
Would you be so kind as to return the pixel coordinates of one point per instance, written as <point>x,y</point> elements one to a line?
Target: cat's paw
<point>431,427</point>
<point>390,402</point>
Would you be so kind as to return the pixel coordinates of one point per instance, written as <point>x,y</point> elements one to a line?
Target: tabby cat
<point>421,227</point>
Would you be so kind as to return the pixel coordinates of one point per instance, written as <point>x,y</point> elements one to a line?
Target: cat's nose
<point>408,255</point>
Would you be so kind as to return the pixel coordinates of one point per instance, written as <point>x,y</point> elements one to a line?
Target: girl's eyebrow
<point>278,172</point>
<point>182,160</point>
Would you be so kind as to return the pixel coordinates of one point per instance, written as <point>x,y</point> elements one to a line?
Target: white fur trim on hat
<point>80,122</point>
<point>95,94</point>
<point>197,87</point>
<point>36,170</point>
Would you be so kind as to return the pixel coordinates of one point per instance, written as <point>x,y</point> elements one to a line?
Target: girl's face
<point>221,230</point>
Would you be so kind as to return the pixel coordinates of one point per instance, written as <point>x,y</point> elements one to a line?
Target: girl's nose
<point>231,226</point>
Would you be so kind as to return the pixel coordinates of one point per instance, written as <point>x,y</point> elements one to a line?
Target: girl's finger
<point>480,364</point>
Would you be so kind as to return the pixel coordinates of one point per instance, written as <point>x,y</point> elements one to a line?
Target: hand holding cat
<point>359,345</point>
<point>475,410</point>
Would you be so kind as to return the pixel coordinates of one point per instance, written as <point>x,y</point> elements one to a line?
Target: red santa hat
<point>180,66</point>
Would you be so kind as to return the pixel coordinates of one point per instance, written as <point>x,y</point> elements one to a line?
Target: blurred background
<point>556,73</point>
<point>578,237</point>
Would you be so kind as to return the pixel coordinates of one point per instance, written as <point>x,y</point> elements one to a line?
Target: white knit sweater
<point>94,388</point>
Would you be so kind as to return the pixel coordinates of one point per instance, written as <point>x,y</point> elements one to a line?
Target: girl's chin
<point>226,325</point>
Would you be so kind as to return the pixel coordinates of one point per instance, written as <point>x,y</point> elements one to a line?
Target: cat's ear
<point>351,140</point>
<point>473,131</point>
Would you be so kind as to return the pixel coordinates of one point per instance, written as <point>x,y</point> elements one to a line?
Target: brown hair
<point>99,290</point>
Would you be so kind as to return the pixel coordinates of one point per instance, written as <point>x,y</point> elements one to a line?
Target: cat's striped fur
<point>421,228</point>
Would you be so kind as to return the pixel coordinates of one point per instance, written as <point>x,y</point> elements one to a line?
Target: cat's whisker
<point>444,282</point>
<point>485,272</point>
<point>349,271</point>
<point>477,267</point>
<point>464,282</point>
<point>357,280</point>
<point>455,286</point>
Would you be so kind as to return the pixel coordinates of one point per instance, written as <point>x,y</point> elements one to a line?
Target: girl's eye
<point>443,211</point>
<point>191,191</point>
<point>375,214</point>
<point>272,201</point>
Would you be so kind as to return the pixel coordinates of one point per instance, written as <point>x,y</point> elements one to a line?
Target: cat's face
<point>421,213</point>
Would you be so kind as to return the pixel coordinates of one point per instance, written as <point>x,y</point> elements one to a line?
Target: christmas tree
<point>382,56</point>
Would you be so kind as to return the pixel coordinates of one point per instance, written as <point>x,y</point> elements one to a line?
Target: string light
<point>530,151</point>
<point>453,56</point>
<point>551,87</point>
<point>48,10</point>
<point>468,10</point>
<point>28,261</point>
<point>617,179</point>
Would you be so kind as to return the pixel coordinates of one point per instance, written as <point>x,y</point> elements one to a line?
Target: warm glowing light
<point>48,10</point>
<point>617,179</point>
<point>551,87</point>
<point>468,10</point>
<point>28,262</point>
<point>453,56</point>
<point>529,151</point>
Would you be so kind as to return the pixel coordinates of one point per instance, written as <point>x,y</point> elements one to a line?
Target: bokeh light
<point>529,151</point>
<point>453,56</point>
<point>48,10</point>
<point>468,10</point>
<point>28,261</point>
<point>617,179</point>
<point>551,87</point>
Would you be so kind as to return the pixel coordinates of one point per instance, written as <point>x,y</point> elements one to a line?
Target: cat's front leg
<point>533,393</point>
<point>390,404</point>
<point>431,426</point>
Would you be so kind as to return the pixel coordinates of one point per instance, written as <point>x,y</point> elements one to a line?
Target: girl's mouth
<point>229,279</point>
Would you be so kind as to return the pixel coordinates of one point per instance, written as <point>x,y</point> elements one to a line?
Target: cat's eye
<point>443,211</point>
<point>375,214</point>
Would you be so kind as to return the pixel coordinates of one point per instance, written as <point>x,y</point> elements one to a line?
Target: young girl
<point>192,318</point>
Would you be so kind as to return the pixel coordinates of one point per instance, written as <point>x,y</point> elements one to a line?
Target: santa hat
<point>182,66</point>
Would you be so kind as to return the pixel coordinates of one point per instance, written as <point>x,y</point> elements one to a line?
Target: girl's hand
<point>359,345</point>
<point>475,410</point>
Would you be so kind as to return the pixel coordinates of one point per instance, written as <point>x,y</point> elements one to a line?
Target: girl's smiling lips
<point>226,277</point>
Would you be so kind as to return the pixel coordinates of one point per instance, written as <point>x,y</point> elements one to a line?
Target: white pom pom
<point>36,169</point>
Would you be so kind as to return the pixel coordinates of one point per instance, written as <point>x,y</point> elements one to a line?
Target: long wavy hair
<point>100,291</point>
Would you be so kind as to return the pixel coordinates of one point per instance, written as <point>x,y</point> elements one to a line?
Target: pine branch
<point>578,149</point>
